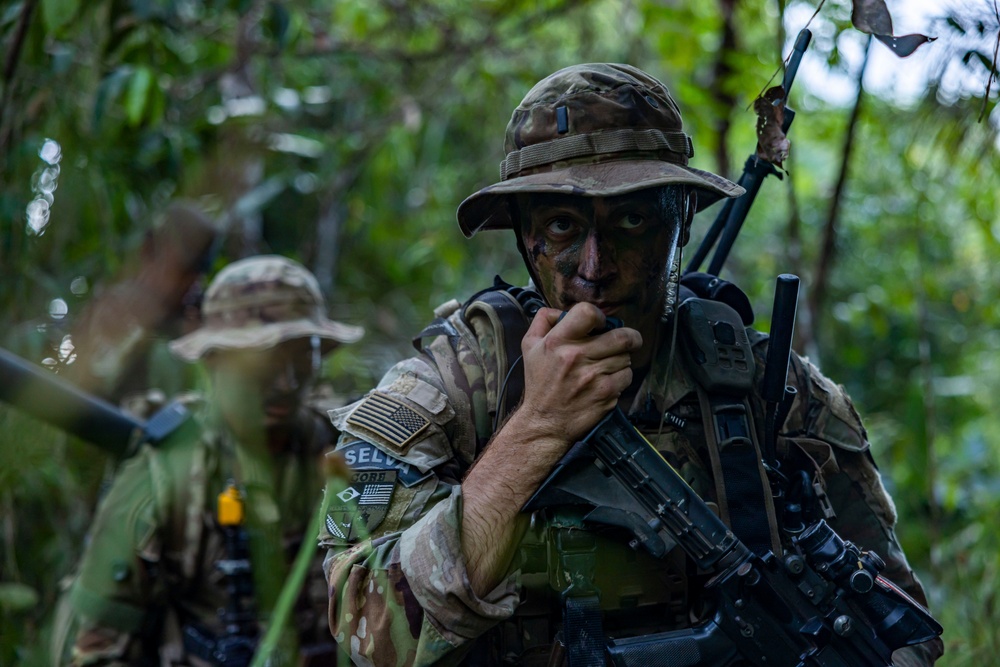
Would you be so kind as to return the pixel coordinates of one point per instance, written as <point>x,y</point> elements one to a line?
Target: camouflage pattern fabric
<point>598,129</point>
<point>149,566</point>
<point>259,302</point>
<point>399,588</point>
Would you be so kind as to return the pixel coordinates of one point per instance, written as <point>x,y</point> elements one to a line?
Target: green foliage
<point>345,134</point>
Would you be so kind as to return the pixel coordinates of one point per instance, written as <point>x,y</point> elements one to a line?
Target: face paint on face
<point>613,252</point>
<point>259,392</point>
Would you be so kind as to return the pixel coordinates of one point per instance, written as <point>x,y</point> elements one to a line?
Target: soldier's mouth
<point>279,410</point>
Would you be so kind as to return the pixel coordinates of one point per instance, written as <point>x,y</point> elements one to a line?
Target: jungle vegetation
<point>344,134</point>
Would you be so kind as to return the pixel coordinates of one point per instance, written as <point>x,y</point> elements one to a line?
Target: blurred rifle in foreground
<point>49,398</point>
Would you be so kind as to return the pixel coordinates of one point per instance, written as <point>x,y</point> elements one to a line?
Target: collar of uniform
<point>665,391</point>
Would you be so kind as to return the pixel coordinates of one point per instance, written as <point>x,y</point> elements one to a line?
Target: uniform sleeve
<point>113,588</point>
<point>405,598</point>
<point>831,432</point>
<point>400,594</point>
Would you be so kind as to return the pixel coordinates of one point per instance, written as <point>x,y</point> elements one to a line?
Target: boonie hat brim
<point>196,344</point>
<point>486,209</point>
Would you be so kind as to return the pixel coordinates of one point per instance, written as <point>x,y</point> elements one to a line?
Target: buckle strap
<point>741,483</point>
<point>582,632</point>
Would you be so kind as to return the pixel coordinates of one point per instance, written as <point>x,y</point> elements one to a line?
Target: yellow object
<point>230,508</point>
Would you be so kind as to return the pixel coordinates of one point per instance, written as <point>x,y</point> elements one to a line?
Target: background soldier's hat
<point>259,302</point>
<point>593,130</point>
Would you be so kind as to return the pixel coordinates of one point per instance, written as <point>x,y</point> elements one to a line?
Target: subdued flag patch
<point>389,419</point>
<point>359,509</point>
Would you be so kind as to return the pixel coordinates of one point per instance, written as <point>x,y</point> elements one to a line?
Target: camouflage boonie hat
<point>259,302</point>
<point>594,130</point>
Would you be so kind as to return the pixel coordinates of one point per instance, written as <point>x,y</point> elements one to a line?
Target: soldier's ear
<point>690,205</point>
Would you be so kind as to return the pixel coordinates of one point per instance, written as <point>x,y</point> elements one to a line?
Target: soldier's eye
<point>560,226</point>
<point>631,221</point>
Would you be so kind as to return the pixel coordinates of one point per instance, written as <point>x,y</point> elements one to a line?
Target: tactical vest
<point>714,339</point>
<point>186,473</point>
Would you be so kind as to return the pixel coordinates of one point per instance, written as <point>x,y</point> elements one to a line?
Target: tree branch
<point>10,67</point>
<point>722,71</point>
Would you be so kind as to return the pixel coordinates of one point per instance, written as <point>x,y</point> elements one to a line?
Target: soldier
<point>598,192</point>
<point>153,578</point>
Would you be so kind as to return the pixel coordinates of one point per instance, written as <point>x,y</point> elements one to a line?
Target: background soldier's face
<point>258,391</point>
<point>609,251</point>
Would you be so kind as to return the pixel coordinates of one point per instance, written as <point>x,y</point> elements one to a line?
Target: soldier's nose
<point>596,260</point>
<point>285,379</point>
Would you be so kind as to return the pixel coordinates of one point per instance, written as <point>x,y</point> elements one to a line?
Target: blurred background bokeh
<point>144,144</point>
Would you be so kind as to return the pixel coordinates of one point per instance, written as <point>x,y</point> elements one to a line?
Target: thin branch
<point>827,250</point>
<point>784,63</point>
<point>14,53</point>
<point>10,67</point>
<point>993,71</point>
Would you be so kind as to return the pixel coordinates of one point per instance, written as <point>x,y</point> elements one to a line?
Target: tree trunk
<point>722,73</point>
<point>821,278</point>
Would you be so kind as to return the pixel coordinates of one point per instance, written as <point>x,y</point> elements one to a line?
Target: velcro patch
<point>361,455</point>
<point>389,419</point>
<point>359,509</point>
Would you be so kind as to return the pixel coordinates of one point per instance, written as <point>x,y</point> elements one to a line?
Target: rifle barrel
<point>55,401</point>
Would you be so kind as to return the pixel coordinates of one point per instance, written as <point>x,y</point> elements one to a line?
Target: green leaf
<point>108,89</point>
<point>137,95</point>
<point>57,13</point>
<point>17,597</point>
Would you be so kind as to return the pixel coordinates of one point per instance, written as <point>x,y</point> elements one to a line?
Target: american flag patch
<point>388,418</point>
<point>376,494</point>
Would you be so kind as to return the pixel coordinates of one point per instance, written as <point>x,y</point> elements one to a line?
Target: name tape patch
<point>361,455</point>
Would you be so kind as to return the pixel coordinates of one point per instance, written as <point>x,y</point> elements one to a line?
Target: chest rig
<point>560,554</point>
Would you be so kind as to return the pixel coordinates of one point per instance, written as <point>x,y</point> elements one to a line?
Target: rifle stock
<point>811,607</point>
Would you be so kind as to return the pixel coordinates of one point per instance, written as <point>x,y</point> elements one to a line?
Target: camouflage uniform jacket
<point>400,595</point>
<point>149,565</point>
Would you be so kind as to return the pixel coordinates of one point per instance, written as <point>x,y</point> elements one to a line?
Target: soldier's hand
<point>572,379</point>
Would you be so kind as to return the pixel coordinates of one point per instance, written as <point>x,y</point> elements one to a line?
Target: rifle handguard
<point>809,608</point>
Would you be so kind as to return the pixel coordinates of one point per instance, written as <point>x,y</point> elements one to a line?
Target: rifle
<point>730,219</point>
<point>51,399</point>
<point>825,603</point>
<point>235,646</point>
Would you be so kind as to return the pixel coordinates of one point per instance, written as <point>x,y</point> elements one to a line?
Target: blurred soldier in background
<point>191,544</point>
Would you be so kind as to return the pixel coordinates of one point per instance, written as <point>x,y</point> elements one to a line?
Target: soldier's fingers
<point>579,321</point>
<point>614,342</point>
<point>608,387</point>
<point>544,320</point>
<point>612,364</point>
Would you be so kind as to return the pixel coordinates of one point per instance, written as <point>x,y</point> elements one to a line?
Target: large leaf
<point>57,13</point>
<point>872,17</point>
<point>138,94</point>
<point>17,597</point>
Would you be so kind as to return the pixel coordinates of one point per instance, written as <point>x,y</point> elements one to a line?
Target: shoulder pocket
<point>404,418</point>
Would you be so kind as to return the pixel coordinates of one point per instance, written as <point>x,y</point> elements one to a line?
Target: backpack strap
<point>719,357</point>
<point>510,310</point>
<point>505,312</point>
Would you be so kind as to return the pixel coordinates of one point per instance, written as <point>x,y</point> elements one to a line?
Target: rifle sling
<point>740,479</point>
